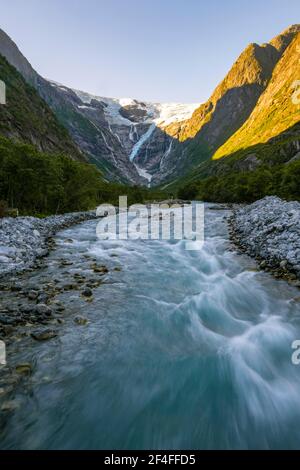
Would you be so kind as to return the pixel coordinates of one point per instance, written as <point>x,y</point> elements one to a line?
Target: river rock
<point>43,309</point>
<point>33,295</point>
<point>269,230</point>
<point>43,298</point>
<point>5,320</point>
<point>44,335</point>
<point>81,321</point>
<point>87,292</point>
<point>9,406</point>
<point>24,369</point>
<point>24,239</point>
<point>99,269</point>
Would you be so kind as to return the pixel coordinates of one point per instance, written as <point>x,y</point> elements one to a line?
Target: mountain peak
<point>283,40</point>
<point>14,56</point>
<point>294,28</point>
<point>275,111</point>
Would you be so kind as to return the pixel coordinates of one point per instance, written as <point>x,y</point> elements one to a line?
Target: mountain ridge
<point>228,108</point>
<point>86,136</point>
<point>141,142</point>
<point>106,143</point>
<point>26,117</point>
<point>275,111</point>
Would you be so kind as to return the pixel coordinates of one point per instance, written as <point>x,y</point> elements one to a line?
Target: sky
<point>152,50</point>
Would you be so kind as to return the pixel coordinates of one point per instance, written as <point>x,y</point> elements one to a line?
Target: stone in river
<point>81,321</point>
<point>99,269</point>
<point>69,240</point>
<point>33,295</point>
<point>10,405</point>
<point>43,298</point>
<point>43,309</point>
<point>4,320</point>
<point>44,335</point>
<point>24,369</point>
<point>87,292</point>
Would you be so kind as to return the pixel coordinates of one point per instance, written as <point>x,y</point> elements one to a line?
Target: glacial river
<point>183,350</point>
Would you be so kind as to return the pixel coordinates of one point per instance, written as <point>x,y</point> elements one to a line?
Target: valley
<point>163,144</point>
<point>141,342</point>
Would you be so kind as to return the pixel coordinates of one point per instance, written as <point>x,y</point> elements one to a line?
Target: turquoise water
<point>185,350</point>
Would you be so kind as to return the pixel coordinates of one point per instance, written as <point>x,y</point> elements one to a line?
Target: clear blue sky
<point>157,50</point>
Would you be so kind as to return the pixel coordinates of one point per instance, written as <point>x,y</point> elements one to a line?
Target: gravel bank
<point>269,230</point>
<point>26,239</point>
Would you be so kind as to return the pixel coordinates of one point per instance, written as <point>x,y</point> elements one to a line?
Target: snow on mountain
<point>174,112</point>
<point>138,126</point>
<point>162,114</point>
<point>141,142</point>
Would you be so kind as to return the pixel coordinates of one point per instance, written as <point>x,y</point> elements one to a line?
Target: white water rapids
<point>183,350</point>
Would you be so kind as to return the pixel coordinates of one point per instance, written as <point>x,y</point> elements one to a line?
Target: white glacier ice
<point>162,114</point>
<point>141,142</point>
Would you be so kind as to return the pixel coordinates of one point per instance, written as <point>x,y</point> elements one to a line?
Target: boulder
<point>44,335</point>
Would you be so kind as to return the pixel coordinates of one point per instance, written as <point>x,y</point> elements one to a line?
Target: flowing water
<point>184,349</point>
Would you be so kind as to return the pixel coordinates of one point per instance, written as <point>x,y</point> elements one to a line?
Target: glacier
<point>133,122</point>
<point>141,142</point>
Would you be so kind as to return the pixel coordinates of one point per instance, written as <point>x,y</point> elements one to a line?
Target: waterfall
<point>141,142</point>
<point>166,154</point>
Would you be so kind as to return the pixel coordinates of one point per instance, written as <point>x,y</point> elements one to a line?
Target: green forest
<point>41,184</point>
<point>246,187</point>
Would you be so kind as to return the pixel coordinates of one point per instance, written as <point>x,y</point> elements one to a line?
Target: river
<point>183,350</point>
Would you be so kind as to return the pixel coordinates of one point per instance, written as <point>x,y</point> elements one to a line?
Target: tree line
<point>246,187</point>
<point>41,184</point>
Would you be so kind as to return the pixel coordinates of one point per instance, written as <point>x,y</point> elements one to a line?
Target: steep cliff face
<point>278,107</point>
<point>139,128</point>
<point>140,142</point>
<point>10,51</point>
<point>26,117</point>
<point>283,40</point>
<point>87,124</point>
<point>122,137</point>
<point>235,95</point>
<point>229,107</point>
<point>154,151</point>
<point>88,130</point>
<point>261,154</point>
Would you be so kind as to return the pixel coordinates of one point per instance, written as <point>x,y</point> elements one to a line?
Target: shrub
<point>3,208</point>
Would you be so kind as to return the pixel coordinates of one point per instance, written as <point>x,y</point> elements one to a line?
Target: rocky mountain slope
<point>90,130</point>
<point>138,127</point>
<point>111,132</point>
<point>96,142</point>
<point>249,87</point>
<point>277,109</point>
<point>141,142</point>
<point>27,118</point>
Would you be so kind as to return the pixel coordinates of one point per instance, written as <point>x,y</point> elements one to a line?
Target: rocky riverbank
<point>27,299</point>
<point>37,305</point>
<point>269,230</point>
<point>24,240</point>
